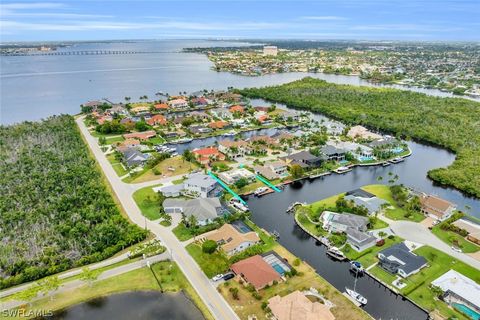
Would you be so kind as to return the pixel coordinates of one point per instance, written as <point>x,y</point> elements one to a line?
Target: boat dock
<point>267,183</point>
<point>235,195</point>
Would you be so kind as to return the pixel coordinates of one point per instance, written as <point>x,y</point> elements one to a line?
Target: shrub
<point>209,246</point>
<point>296,262</point>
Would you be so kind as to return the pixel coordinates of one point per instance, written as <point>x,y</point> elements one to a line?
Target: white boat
<point>260,190</point>
<point>356,267</point>
<point>335,253</point>
<point>184,140</point>
<point>397,160</point>
<point>341,170</point>
<point>356,296</point>
<point>230,134</point>
<point>386,164</point>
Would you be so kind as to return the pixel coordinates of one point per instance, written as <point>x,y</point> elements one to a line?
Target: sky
<point>421,20</point>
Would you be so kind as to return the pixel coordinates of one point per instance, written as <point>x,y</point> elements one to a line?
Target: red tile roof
<point>218,124</point>
<point>207,151</point>
<point>236,108</point>
<point>160,106</point>
<point>157,119</point>
<point>256,271</point>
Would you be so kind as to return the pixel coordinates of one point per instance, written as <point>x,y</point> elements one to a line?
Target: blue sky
<point>447,20</point>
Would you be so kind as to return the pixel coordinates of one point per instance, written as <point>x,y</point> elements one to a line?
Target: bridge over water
<point>82,53</point>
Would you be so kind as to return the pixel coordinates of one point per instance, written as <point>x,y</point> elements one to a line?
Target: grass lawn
<point>182,232</point>
<point>307,224</point>
<point>325,203</point>
<point>450,237</point>
<point>117,165</point>
<point>211,264</point>
<point>439,263</point>
<point>146,200</point>
<point>115,139</point>
<point>383,275</point>
<point>170,276</point>
<point>369,256</point>
<point>383,192</point>
<point>248,305</point>
<point>379,224</point>
<point>178,165</point>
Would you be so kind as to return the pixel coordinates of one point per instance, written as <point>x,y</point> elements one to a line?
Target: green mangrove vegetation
<point>55,210</point>
<point>452,123</point>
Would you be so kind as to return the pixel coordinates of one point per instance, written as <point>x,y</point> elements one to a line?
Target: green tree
<point>209,246</point>
<point>296,171</point>
<point>89,276</point>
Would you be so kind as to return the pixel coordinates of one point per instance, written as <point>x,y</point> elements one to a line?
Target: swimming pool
<point>472,314</point>
<point>278,268</point>
<point>241,226</point>
<point>363,158</point>
<point>397,150</point>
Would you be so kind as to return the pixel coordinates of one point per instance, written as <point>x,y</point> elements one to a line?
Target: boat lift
<point>265,181</point>
<point>235,195</point>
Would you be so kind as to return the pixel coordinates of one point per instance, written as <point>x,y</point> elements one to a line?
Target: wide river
<point>36,87</point>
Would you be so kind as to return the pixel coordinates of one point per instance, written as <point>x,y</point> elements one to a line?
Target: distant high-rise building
<point>270,51</point>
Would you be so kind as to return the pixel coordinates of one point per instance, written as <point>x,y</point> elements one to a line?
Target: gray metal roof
<point>372,204</point>
<point>201,180</point>
<point>201,208</point>
<point>406,260</point>
<point>350,220</point>
<point>359,237</point>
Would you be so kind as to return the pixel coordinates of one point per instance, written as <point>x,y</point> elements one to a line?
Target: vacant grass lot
<point>452,238</point>
<point>117,165</point>
<point>383,192</point>
<point>147,202</point>
<point>211,264</point>
<point>167,168</point>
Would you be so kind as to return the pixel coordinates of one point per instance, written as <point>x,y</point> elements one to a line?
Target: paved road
<point>417,232</point>
<point>70,285</point>
<point>219,308</point>
<point>67,274</point>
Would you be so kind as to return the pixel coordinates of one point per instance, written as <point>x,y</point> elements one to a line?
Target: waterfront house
<point>398,259</point>
<point>472,226</point>
<point>221,113</point>
<point>459,290</point>
<point>205,155</point>
<point>340,222</point>
<point>232,176</point>
<point>234,149</point>
<point>178,103</point>
<point>304,159</point>
<point>362,198</point>
<point>359,151</point>
<point>256,271</point>
<point>359,240</point>
<point>126,144</point>
<point>237,109</point>
<point>272,170</point>
<point>134,158</point>
<point>204,209</point>
<point>199,129</point>
<point>219,125</point>
<point>296,306</point>
<point>288,116</point>
<point>435,207</point>
<point>359,132</point>
<point>333,153</point>
<point>140,135</point>
<point>157,119</point>
<point>199,101</point>
<point>161,106</point>
<point>140,109</point>
<point>231,240</point>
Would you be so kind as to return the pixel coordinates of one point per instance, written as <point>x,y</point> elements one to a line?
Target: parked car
<point>228,276</point>
<point>456,249</point>
<point>218,277</point>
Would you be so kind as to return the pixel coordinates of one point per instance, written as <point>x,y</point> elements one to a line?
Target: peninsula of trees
<point>452,123</point>
<point>55,210</point>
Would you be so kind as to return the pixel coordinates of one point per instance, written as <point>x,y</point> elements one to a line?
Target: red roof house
<point>205,155</point>
<point>237,108</point>
<point>161,106</point>
<point>157,119</point>
<point>256,271</point>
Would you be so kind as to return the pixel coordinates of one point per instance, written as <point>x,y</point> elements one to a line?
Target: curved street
<point>417,232</point>
<point>217,305</point>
